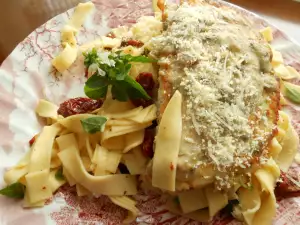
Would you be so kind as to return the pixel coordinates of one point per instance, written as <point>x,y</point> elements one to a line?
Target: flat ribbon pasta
<point>290,145</point>
<point>135,161</point>
<point>201,215</point>
<point>215,199</point>
<point>126,203</point>
<point>73,123</point>
<point>37,183</point>
<point>250,202</point>
<point>259,204</point>
<point>192,200</point>
<point>17,172</point>
<point>167,145</point>
<point>82,191</point>
<point>118,184</point>
<point>55,183</point>
<point>46,109</point>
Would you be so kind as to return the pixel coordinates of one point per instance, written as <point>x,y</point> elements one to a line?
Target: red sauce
<point>147,146</point>
<point>132,42</point>
<point>78,106</point>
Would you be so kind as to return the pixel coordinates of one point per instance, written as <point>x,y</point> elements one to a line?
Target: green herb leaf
<point>96,81</point>
<point>123,72</point>
<point>96,93</point>
<point>135,90</point>
<point>93,124</point>
<point>116,75</point>
<point>15,190</point>
<point>139,58</point>
<point>292,92</point>
<point>59,174</point>
<point>96,87</point>
<point>119,92</point>
<point>90,57</point>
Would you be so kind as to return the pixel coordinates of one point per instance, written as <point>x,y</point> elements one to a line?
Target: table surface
<point>19,18</point>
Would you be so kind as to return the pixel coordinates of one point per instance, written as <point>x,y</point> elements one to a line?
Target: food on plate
<point>187,102</point>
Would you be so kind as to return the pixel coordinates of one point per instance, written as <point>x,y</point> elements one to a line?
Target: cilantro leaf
<point>93,124</point>
<point>59,174</point>
<point>15,190</point>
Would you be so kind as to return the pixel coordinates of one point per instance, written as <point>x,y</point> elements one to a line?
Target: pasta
<point>167,146</point>
<point>196,127</point>
<point>69,54</point>
<point>65,59</point>
<point>97,185</point>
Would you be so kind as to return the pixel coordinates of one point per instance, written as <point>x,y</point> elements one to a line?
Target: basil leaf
<point>119,91</point>
<point>96,93</point>
<point>92,125</point>
<point>135,90</point>
<point>124,72</point>
<point>115,74</point>
<point>139,58</point>
<point>15,190</point>
<point>90,57</point>
<point>96,87</point>
<point>59,174</point>
<point>96,81</point>
<point>292,92</point>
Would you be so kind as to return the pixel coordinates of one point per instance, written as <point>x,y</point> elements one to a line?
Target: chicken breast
<point>221,65</point>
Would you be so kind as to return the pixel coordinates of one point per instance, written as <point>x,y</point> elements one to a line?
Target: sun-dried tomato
<point>147,146</point>
<point>78,106</point>
<point>32,140</point>
<point>286,188</point>
<point>132,42</point>
<point>86,72</point>
<point>147,82</point>
<point>141,102</point>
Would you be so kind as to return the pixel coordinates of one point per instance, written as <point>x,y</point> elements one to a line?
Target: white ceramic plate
<point>26,76</point>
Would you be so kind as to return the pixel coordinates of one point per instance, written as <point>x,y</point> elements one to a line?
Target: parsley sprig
<point>112,69</point>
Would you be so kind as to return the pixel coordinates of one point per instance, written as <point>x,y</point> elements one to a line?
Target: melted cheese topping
<point>221,65</point>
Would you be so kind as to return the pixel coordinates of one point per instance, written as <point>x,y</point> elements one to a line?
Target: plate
<point>26,76</point>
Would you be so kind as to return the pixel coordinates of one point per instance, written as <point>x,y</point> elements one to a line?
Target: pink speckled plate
<point>26,76</point>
